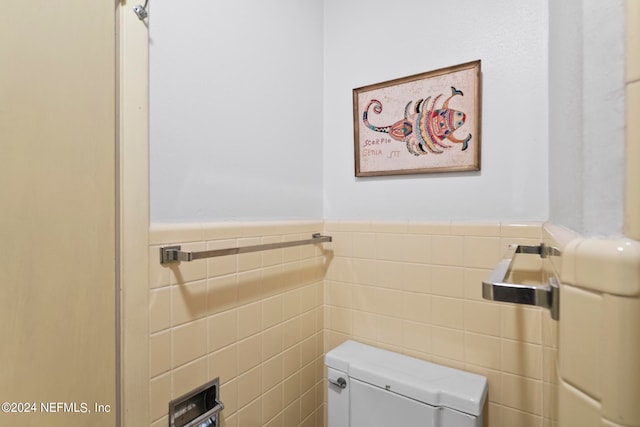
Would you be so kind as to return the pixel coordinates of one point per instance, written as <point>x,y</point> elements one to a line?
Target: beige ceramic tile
<point>183,272</point>
<point>434,227</point>
<point>391,274</point>
<point>482,318</point>
<point>159,275</point>
<point>581,336</point>
<point>550,401</point>
<point>364,325</point>
<point>550,365</point>
<point>609,265</point>
<point>522,230</point>
<point>521,323</point>
<point>340,320</point>
<point>339,294</point>
<point>416,248</point>
<point>290,332</point>
<point>249,386</point>
<point>447,250</point>
<point>229,396</point>
<point>308,405</point>
<point>397,227</point>
<point>159,309</point>
<point>632,44</point>
<point>272,256</point>
<point>290,304</point>
<point>308,349</point>
<point>224,364</point>
<point>472,283</point>
<point>311,296</point>
<point>308,325</point>
<point>414,278</point>
<point>189,376</point>
<point>291,388</point>
<point>486,229</point>
<point>222,293</point>
<point>621,353</point>
<point>291,361</point>
<point>272,281</point>
<point>632,154</point>
<point>389,331</point>
<point>222,265</point>
<point>340,270</point>
<point>363,245</point>
<point>416,336</point>
<point>272,402</point>
<point>447,281</point>
<point>308,377</point>
<point>391,247</point>
<point>189,342</point>
<point>482,350</point>
<point>447,343</point>
<point>161,422</point>
<point>249,353</point>
<point>355,226</point>
<point>521,393</point>
<point>493,378</point>
<point>249,319</point>
<point>342,244</point>
<point>251,260</point>
<point>251,414</point>
<point>229,421</point>
<point>291,414</point>
<point>576,408</point>
<point>272,373</point>
<point>447,312</point>
<point>188,302</point>
<point>164,234</point>
<point>271,342</point>
<point>482,252</point>
<point>250,286</point>
<point>271,311</point>
<point>221,230</point>
<point>222,330</point>
<point>416,307</point>
<point>159,396</point>
<point>522,359</point>
<point>513,417</point>
<point>159,353</point>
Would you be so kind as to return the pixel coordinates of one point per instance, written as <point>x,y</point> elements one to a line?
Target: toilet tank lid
<point>417,379</point>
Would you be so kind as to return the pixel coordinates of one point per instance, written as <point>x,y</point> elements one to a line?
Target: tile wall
<point>598,334</point>
<point>263,321</point>
<point>415,288</point>
<point>255,320</point>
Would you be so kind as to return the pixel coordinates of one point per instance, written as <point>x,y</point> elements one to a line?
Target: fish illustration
<point>424,128</point>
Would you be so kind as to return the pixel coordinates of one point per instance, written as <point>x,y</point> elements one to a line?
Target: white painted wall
<point>235,110</point>
<point>586,125</point>
<point>251,114</point>
<point>369,41</point>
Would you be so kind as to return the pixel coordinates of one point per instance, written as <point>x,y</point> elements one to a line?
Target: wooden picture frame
<point>425,123</point>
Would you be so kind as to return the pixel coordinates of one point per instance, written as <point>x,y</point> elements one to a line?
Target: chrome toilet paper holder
<point>495,287</point>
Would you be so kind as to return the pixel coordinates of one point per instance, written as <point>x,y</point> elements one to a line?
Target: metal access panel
<point>198,408</point>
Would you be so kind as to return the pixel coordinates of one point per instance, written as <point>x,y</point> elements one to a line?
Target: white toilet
<point>371,387</point>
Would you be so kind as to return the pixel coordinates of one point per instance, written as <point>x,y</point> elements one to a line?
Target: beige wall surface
<point>57,132</point>
<point>416,288</point>
<point>254,320</point>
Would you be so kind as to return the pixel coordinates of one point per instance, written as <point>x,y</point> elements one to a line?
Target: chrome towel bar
<point>170,254</point>
<point>495,288</point>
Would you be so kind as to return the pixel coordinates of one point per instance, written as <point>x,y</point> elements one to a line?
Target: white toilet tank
<point>371,387</point>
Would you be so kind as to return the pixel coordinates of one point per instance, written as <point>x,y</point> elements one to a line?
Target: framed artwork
<point>424,123</point>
